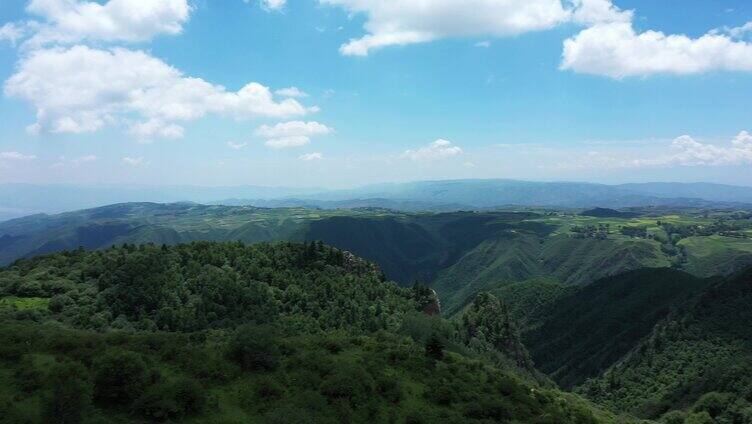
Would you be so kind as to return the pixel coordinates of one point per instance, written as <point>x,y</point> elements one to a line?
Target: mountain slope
<point>706,191</point>
<point>285,333</point>
<point>699,359</point>
<point>586,332</point>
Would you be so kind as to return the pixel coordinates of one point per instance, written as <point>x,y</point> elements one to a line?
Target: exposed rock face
<point>427,300</point>
<point>487,325</point>
<point>358,266</point>
<point>432,306</point>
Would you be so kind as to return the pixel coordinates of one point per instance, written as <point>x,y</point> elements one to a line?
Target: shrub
<point>171,400</point>
<point>255,348</point>
<point>348,382</point>
<point>120,377</point>
<point>70,395</point>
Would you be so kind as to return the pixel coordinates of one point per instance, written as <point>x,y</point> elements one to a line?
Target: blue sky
<point>199,92</point>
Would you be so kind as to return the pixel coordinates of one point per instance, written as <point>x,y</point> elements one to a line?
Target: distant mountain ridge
<point>18,200</point>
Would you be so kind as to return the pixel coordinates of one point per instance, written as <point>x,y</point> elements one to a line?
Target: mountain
<point>705,191</point>
<point>693,364</point>
<point>18,200</point>
<point>584,333</point>
<point>284,333</point>
<point>499,192</point>
<point>458,254</point>
<point>439,196</point>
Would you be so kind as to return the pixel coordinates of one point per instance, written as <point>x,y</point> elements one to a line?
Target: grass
<point>716,255</point>
<point>25,303</point>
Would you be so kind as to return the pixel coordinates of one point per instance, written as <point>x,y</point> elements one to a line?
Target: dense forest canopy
<point>230,333</point>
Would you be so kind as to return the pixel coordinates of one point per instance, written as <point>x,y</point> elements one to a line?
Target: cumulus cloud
<point>156,128</point>
<point>292,128</point>
<point>12,32</point>
<point>133,161</point>
<point>609,46</point>
<point>615,49</point>
<point>594,12</point>
<point>82,89</point>
<point>690,152</point>
<point>287,142</point>
<point>236,146</point>
<point>685,151</point>
<point>72,21</point>
<point>270,4</point>
<point>291,92</point>
<point>64,162</point>
<point>273,4</point>
<point>311,156</point>
<point>291,134</point>
<point>397,22</point>
<point>737,32</point>
<point>16,156</point>
<point>439,149</point>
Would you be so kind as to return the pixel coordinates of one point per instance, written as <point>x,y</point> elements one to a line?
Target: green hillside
<point>589,330</point>
<point>230,333</point>
<point>459,254</point>
<point>694,364</point>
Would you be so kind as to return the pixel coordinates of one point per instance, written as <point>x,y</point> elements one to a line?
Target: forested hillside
<point>230,333</point>
<point>695,365</point>
<point>458,254</point>
<point>582,334</point>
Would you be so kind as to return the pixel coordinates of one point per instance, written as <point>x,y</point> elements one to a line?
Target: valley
<point>587,301</point>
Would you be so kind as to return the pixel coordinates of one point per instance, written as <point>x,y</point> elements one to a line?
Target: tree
<point>70,394</point>
<point>434,348</point>
<point>255,348</point>
<point>119,377</point>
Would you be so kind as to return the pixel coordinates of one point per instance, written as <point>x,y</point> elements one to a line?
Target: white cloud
<point>287,142</point>
<point>270,4</point>
<point>16,156</point>
<point>292,128</point>
<point>616,50</point>
<point>439,149</point>
<point>81,89</point>
<point>395,22</point>
<point>133,161</point>
<point>593,12</point>
<point>689,152</point>
<point>236,146</point>
<point>685,151</point>
<point>273,4</point>
<point>71,21</point>
<point>736,32</point>
<point>156,128</point>
<point>484,44</point>
<point>12,32</point>
<point>399,22</point>
<point>291,92</point>
<point>609,46</point>
<point>311,156</point>
<point>64,162</point>
<point>291,134</point>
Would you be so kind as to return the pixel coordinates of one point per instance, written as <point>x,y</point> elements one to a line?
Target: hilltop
<point>229,333</point>
<point>459,254</point>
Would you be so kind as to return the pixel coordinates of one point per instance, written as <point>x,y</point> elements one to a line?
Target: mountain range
<point>24,199</point>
